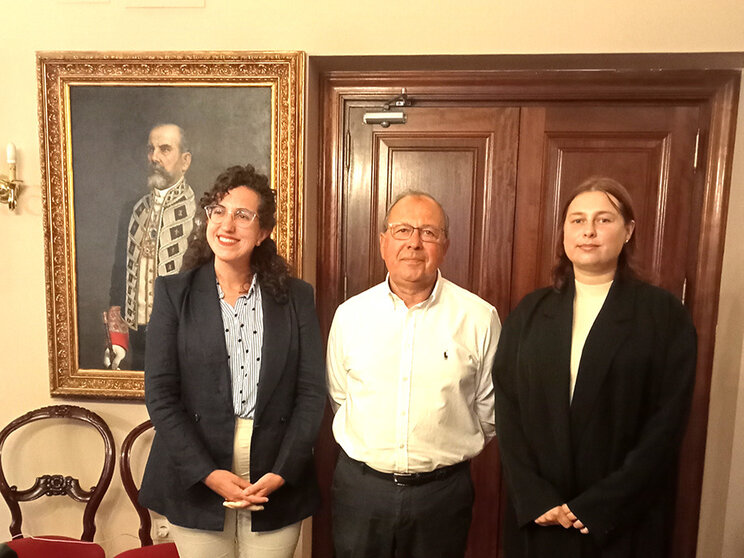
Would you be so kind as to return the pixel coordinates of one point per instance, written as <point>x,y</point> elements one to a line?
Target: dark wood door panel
<point>648,149</point>
<point>359,214</point>
<point>452,171</point>
<point>635,160</point>
<point>466,158</point>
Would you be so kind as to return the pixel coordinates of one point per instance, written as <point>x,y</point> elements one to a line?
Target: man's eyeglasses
<point>242,216</point>
<point>404,231</point>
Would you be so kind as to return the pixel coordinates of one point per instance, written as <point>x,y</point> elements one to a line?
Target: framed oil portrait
<point>116,215</point>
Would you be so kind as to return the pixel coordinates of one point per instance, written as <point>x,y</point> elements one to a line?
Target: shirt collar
<point>432,299</point>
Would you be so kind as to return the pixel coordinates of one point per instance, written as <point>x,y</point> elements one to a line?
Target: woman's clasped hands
<point>239,493</point>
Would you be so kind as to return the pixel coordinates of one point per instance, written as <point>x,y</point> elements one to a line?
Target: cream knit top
<point>586,306</point>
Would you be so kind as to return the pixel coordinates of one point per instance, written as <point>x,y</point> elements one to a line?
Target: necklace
<point>243,288</point>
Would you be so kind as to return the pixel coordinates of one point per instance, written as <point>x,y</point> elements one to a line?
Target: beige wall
<point>342,27</point>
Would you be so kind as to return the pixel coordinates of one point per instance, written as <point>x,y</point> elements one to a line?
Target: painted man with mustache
<point>409,377</point>
<point>156,238</point>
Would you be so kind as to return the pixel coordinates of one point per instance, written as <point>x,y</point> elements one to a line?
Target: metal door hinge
<point>347,150</point>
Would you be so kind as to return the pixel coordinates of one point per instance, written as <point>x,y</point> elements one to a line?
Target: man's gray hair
<point>415,194</point>
<point>183,144</point>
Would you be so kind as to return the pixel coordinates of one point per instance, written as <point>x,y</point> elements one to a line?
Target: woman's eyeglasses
<point>242,216</point>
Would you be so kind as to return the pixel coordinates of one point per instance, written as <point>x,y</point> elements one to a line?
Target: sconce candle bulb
<point>10,152</point>
<point>10,155</point>
<point>9,187</point>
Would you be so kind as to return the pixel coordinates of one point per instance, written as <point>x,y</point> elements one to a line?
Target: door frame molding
<point>715,91</point>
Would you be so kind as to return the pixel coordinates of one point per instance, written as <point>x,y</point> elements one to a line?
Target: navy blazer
<point>610,453</point>
<point>189,397</point>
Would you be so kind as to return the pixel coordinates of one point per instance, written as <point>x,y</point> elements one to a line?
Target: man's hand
<point>112,361</point>
<point>117,338</point>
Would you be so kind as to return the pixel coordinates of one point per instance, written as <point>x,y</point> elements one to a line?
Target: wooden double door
<point>502,171</point>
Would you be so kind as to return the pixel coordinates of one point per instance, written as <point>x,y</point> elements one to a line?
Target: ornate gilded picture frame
<point>98,115</point>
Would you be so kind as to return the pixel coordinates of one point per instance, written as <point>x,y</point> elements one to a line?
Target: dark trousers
<point>375,518</point>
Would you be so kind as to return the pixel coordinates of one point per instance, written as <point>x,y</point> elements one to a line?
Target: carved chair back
<point>128,480</point>
<point>58,484</point>
<point>147,548</point>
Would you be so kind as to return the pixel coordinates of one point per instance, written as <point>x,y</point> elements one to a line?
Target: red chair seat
<point>55,547</point>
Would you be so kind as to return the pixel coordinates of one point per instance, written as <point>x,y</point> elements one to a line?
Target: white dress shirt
<point>411,388</point>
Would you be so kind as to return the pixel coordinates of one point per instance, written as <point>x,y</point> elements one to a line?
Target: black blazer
<point>611,453</point>
<point>188,396</point>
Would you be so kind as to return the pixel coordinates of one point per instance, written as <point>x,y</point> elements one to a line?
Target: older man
<point>156,238</point>
<point>409,364</point>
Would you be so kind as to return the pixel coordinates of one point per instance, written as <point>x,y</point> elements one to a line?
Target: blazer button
<point>197,417</point>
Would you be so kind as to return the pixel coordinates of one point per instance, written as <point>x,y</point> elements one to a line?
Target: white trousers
<point>237,540</point>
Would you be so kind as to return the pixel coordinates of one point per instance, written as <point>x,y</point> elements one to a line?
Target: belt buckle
<point>400,478</point>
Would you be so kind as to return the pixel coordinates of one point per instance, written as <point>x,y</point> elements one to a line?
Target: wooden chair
<point>148,549</point>
<point>57,484</point>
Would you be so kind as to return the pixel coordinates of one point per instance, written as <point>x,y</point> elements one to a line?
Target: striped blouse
<point>244,340</point>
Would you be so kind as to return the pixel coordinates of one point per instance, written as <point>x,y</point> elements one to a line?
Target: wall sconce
<point>9,187</point>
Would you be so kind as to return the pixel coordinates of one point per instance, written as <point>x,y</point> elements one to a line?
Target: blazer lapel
<point>277,333</point>
<point>554,347</point>
<point>611,327</point>
<point>208,319</point>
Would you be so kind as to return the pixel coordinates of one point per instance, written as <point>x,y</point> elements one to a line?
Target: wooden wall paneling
<point>529,202</point>
<point>328,291</point>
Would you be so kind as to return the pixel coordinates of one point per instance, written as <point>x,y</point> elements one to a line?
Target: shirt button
<point>402,446</point>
